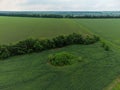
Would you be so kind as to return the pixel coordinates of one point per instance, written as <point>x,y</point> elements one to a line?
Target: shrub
<point>79,59</point>
<point>13,49</point>
<point>26,46</point>
<point>105,46</point>
<point>4,52</point>
<point>38,47</point>
<point>89,39</point>
<point>60,41</point>
<point>75,39</point>
<point>47,44</point>
<point>96,38</point>
<point>61,59</point>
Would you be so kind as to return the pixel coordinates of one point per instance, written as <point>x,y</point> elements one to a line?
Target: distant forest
<point>63,14</point>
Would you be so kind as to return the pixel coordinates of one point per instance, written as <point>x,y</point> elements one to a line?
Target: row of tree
<point>36,45</point>
<point>58,16</point>
<point>33,15</point>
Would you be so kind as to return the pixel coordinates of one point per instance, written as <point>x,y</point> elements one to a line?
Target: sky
<point>59,5</point>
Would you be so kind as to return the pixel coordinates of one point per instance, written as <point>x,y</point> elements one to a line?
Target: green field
<point>33,72</point>
<point>106,28</point>
<point>17,29</point>
<point>97,71</point>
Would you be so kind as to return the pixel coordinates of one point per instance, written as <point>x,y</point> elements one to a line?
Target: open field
<point>106,28</point>
<point>109,29</point>
<point>17,29</point>
<point>33,72</point>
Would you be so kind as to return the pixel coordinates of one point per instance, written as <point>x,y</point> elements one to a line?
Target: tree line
<point>57,16</point>
<point>35,45</point>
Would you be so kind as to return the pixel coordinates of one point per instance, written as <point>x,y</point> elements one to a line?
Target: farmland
<point>97,71</point>
<point>107,28</point>
<point>17,29</point>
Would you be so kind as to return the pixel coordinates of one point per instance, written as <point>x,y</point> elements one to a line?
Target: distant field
<point>32,72</point>
<point>13,29</point>
<point>107,28</point>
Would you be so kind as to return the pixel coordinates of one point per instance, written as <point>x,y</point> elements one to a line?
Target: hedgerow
<point>36,45</point>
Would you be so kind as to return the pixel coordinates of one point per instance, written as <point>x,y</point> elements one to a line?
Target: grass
<point>33,72</point>
<point>109,30</point>
<point>14,29</point>
<point>115,85</point>
<point>97,71</point>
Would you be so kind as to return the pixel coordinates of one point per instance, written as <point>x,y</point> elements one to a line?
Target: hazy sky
<point>60,5</point>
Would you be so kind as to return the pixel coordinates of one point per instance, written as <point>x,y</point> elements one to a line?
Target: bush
<point>47,44</point>
<point>38,47</point>
<point>26,46</point>
<point>75,39</point>
<point>105,46</point>
<point>4,52</point>
<point>60,41</point>
<point>89,39</point>
<point>61,59</point>
<point>96,38</point>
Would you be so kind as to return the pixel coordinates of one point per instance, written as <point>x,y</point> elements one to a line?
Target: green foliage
<point>26,46</point>
<point>96,38</point>
<point>55,15</point>
<point>79,59</point>
<point>4,52</point>
<point>105,46</point>
<point>60,41</point>
<point>35,45</point>
<point>47,44</point>
<point>75,39</point>
<point>61,59</point>
<point>89,39</point>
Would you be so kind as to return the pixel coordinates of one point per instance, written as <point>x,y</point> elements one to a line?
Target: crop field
<point>106,28</point>
<point>98,69</point>
<point>34,72</point>
<point>109,29</point>
<point>17,29</point>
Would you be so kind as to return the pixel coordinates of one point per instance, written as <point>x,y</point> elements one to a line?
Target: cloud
<point>11,5</point>
<point>60,5</point>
